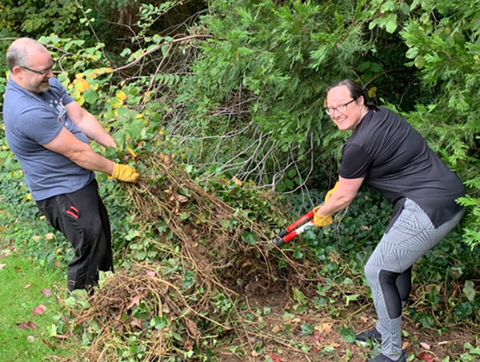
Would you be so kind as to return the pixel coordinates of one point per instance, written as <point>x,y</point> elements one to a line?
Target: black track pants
<point>83,219</point>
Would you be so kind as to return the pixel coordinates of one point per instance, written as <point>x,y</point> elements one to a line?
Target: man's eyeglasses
<point>341,108</point>
<point>41,72</point>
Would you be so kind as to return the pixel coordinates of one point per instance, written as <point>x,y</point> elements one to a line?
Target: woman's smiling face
<point>344,110</point>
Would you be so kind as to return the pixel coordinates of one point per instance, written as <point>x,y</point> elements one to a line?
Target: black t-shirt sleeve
<point>355,162</point>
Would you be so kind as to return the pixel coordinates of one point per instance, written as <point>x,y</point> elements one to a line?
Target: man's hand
<point>321,220</point>
<point>124,173</point>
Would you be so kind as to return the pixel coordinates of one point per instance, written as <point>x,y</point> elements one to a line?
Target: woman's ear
<point>362,100</point>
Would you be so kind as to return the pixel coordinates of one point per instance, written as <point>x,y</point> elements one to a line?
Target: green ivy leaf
<point>307,329</point>
<point>348,334</point>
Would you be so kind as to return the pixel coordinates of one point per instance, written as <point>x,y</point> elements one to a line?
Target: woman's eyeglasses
<point>341,108</point>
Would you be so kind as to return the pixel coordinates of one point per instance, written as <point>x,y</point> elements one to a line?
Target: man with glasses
<point>49,134</point>
<point>386,153</point>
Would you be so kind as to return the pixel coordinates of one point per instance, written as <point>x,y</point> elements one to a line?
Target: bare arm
<point>78,152</point>
<point>89,125</point>
<point>346,191</point>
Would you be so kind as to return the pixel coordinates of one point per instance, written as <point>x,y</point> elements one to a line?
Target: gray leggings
<point>389,268</point>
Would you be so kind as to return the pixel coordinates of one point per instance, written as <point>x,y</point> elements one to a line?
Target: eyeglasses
<point>341,108</point>
<point>41,72</point>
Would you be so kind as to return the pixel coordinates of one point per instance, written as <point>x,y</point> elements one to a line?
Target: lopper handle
<point>278,241</point>
<point>296,224</point>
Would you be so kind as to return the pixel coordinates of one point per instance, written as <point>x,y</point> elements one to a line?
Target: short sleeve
<point>355,162</point>
<point>41,126</point>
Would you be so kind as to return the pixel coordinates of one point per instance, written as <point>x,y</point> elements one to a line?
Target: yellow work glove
<point>321,220</point>
<point>124,173</point>
<point>330,193</point>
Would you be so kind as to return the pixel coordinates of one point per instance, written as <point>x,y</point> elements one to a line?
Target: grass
<point>22,281</point>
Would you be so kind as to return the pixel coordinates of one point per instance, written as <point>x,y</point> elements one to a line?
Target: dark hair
<point>356,90</point>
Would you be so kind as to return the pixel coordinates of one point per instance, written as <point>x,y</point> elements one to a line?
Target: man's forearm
<point>95,131</point>
<point>90,160</point>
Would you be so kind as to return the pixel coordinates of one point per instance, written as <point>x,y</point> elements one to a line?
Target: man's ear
<point>17,70</point>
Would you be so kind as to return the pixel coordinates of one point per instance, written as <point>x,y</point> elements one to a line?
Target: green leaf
<point>377,68</point>
<point>307,329</point>
<point>469,290</point>
<point>392,23</point>
<point>90,96</point>
<point>405,8</point>
<point>249,237</point>
<point>159,322</point>
<point>298,253</point>
<point>364,66</point>
<point>412,53</point>
<point>141,255</point>
<point>132,234</point>
<point>299,297</point>
<point>348,334</point>
<point>419,62</point>
<point>351,298</point>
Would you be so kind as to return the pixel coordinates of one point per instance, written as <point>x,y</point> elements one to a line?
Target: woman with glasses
<point>386,153</point>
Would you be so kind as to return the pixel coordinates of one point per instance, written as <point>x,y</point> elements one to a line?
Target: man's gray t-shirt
<point>32,121</point>
<point>395,159</point>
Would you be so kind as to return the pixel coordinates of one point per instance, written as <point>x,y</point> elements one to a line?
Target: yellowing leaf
<point>121,95</point>
<point>167,160</point>
<point>132,153</point>
<point>324,328</point>
<point>276,329</point>
<point>138,116</point>
<point>237,181</point>
<point>49,236</point>
<point>103,70</point>
<point>147,96</point>
<point>36,238</point>
<point>117,103</point>
<point>81,85</point>
<point>372,92</point>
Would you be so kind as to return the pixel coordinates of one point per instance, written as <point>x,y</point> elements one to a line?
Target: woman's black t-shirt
<point>395,159</point>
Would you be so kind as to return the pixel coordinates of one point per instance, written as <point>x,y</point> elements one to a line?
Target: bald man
<point>49,134</point>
